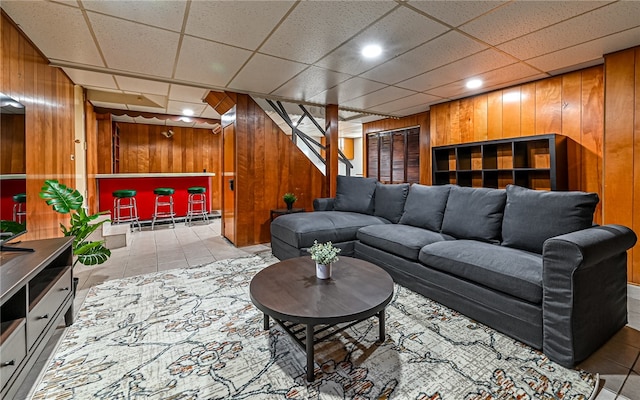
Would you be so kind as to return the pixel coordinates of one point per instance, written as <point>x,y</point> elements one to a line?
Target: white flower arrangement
<point>323,253</point>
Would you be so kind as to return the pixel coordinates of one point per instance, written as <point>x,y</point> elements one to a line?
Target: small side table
<point>282,211</point>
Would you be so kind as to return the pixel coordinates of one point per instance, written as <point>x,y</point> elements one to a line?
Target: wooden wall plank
<point>634,276</point>
<point>494,116</point>
<point>572,126</point>
<point>47,94</point>
<point>549,106</point>
<point>511,104</point>
<point>12,144</point>
<point>91,137</point>
<point>619,144</point>
<point>480,104</point>
<point>528,109</point>
<point>592,134</point>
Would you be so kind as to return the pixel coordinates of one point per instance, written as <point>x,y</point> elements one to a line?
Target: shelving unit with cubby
<point>536,162</point>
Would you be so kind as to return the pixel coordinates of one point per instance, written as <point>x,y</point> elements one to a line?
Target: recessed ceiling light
<point>187,111</point>
<point>372,50</point>
<point>474,84</point>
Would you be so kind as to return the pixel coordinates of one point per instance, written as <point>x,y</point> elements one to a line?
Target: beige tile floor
<point>617,362</point>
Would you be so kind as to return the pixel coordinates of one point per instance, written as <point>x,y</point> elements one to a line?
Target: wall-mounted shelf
<point>536,162</point>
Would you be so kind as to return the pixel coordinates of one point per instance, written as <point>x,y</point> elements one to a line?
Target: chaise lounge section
<point>528,263</point>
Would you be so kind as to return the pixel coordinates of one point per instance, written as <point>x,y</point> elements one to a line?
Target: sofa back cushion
<point>424,207</point>
<point>355,194</point>
<point>474,213</point>
<point>389,201</point>
<point>533,216</point>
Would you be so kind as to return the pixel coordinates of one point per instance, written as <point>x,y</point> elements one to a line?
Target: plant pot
<point>323,271</point>
<point>289,206</point>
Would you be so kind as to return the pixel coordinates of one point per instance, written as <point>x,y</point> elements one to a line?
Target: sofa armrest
<point>584,284</point>
<point>323,204</point>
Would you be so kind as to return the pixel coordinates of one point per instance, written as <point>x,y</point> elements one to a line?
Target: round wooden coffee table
<point>290,293</point>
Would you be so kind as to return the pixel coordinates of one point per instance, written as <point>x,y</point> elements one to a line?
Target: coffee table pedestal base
<point>294,330</point>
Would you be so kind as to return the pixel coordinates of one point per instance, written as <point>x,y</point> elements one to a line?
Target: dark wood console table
<point>36,290</point>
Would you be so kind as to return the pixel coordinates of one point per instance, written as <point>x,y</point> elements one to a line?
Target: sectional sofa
<point>528,263</point>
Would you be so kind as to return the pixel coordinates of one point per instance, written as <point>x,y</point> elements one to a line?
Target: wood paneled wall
<point>268,165</point>
<point>622,146</point>
<point>91,137</point>
<point>12,154</point>
<point>144,149</point>
<point>571,104</point>
<point>422,120</point>
<point>47,94</point>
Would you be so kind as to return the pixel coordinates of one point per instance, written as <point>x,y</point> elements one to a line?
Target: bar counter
<point>145,183</point>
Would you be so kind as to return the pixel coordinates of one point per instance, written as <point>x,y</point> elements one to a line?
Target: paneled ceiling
<point>173,52</point>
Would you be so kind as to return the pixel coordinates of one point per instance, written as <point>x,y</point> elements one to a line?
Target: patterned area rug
<point>194,334</point>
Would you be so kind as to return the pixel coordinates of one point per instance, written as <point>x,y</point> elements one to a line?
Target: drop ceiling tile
<point>152,52</point>
<point>455,13</point>
<point>187,93</point>
<point>73,43</point>
<point>135,85</point>
<point>104,104</point>
<point>207,62</point>
<point>347,90</point>
<point>176,107</point>
<point>387,94</point>
<point>252,76</point>
<point>443,50</point>
<point>160,100</point>
<point>584,28</point>
<point>314,28</point>
<point>89,78</point>
<point>210,113</point>
<point>218,21</point>
<point>155,110</point>
<point>586,52</point>
<point>467,67</point>
<point>501,77</point>
<point>309,83</point>
<point>525,17</point>
<point>418,99</point>
<point>416,109</point>
<point>396,33</point>
<point>169,16</point>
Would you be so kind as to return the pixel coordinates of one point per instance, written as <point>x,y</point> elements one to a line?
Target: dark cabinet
<point>536,162</point>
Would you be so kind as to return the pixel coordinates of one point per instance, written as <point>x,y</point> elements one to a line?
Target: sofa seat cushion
<point>301,229</point>
<point>400,240</point>
<point>514,272</point>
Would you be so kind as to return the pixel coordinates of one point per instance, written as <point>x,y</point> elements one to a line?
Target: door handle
<point>231,185</point>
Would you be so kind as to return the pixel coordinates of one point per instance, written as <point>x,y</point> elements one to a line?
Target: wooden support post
<point>331,129</point>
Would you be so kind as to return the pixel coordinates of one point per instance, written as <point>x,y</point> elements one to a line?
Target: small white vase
<point>323,271</point>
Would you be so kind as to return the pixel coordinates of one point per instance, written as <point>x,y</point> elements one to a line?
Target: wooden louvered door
<point>394,157</point>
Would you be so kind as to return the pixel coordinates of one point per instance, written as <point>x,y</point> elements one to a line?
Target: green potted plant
<point>289,199</point>
<point>66,200</point>
<point>324,254</point>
